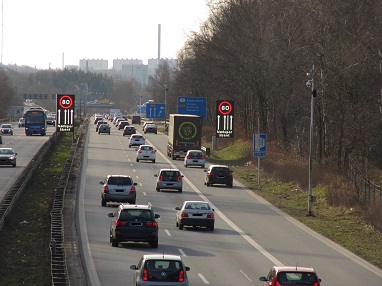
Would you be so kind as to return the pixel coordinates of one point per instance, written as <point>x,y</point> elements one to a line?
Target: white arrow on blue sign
<point>259,145</point>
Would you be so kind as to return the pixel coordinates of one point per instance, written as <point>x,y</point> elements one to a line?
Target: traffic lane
<point>26,148</point>
<point>284,238</point>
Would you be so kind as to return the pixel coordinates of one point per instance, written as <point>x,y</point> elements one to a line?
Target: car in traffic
<point>195,214</point>
<point>145,123</point>
<point>169,179</point>
<point>21,122</point>
<point>136,119</point>
<point>119,189</point>
<point>150,128</point>
<point>160,269</point>
<point>218,174</point>
<point>291,275</point>
<point>97,117</point>
<point>8,156</point>
<point>6,129</point>
<point>135,223</point>
<point>122,124</point>
<point>104,128</point>
<point>1,139</point>
<point>146,152</point>
<point>51,120</point>
<point>136,140</point>
<point>129,130</point>
<point>195,158</point>
<point>99,122</point>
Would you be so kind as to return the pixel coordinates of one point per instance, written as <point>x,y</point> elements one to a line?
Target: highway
<point>250,234</point>
<point>26,148</point>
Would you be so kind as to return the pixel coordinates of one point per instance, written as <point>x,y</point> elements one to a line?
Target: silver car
<point>169,179</point>
<point>7,156</point>
<point>136,140</point>
<point>160,269</point>
<point>119,189</point>
<point>194,158</point>
<point>196,214</point>
<point>146,152</point>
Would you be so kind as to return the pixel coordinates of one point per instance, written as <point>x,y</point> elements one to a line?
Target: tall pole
<point>310,83</point>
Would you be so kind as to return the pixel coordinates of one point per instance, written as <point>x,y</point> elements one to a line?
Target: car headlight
<point>12,157</point>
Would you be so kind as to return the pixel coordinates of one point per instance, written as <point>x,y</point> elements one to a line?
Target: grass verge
<point>25,238</point>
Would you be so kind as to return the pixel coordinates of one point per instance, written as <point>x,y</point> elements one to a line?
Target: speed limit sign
<point>224,118</point>
<point>65,113</point>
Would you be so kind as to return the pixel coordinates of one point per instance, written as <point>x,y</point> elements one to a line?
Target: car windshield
<point>195,155</point>
<point>164,270</point>
<point>221,169</point>
<point>135,214</point>
<point>6,151</point>
<point>147,148</point>
<point>305,278</point>
<point>6,126</point>
<point>119,181</point>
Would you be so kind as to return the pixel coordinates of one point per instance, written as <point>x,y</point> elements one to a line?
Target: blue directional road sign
<point>259,145</point>
<point>192,105</point>
<point>155,110</point>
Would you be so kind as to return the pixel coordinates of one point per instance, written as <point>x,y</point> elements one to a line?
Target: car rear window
<point>221,169</point>
<point>170,175</point>
<point>306,278</point>
<point>197,206</point>
<point>195,155</point>
<point>136,214</point>
<point>147,148</point>
<point>163,270</point>
<point>119,181</point>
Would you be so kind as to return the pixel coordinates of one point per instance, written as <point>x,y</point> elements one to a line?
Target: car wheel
<point>103,202</point>
<point>202,166</point>
<point>132,202</point>
<point>114,243</point>
<point>180,226</point>
<point>185,165</point>
<point>208,184</point>
<point>180,190</point>
<point>14,165</point>
<point>137,160</point>
<point>129,146</point>
<point>212,228</point>
<point>154,244</point>
<point>158,190</point>
<point>109,133</point>
<point>154,161</point>
<point>177,224</point>
<point>229,185</point>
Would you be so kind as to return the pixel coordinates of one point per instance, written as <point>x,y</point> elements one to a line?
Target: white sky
<point>38,33</point>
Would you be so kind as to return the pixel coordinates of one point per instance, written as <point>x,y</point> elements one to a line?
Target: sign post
<point>65,113</point>
<point>259,150</point>
<point>224,119</point>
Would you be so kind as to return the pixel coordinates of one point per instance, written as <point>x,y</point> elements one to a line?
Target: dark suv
<point>118,188</point>
<point>136,223</point>
<point>160,269</point>
<point>218,174</point>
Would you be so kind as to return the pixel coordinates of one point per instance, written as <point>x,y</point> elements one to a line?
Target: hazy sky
<point>38,33</point>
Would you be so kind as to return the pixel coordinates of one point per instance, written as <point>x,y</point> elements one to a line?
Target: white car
<point>136,140</point>
<point>146,152</point>
<point>195,214</point>
<point>194,158</point>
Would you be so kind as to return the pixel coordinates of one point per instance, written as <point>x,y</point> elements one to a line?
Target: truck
<point>115,113</point>
<point>184,133</point>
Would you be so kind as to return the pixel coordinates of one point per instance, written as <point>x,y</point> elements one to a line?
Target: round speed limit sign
<point>66,102</point>
<point>225,107</point>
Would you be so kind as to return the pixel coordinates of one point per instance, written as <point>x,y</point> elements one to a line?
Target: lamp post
<point>310,84</point>
<point>165,103</point>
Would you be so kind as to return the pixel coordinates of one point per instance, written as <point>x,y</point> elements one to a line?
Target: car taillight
<point>188,156</point>
<point>210,174</point>
<point>152,224</point>
<point>202,156</point>
<point>184,214</point>
<point>139,151</point>
<point>181,276</point>
<point>132,189</point>
<point>106,189</point>
<point>161,178</point>
<point>315,284</point>
<point>179,178</point>
<point>210,216</point>
<point>145,276</point>
<point>277,284</point>
<point>120,223</point>
<point>229,174</point>
<point>153,152</point>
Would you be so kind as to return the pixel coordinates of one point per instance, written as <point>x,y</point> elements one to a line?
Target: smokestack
<point>158,44</point>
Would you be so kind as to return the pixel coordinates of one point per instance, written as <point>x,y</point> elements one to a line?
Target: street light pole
<point>165,104</point>
<point>310,84</point>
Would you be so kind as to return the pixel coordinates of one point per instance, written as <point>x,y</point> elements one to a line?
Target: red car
<point>291,275</point>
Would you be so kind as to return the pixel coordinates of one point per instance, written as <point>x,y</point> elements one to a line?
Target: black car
<point>7,156</point>
<point>135,223</point>
<point>129,130</point>
<point>218,174</point>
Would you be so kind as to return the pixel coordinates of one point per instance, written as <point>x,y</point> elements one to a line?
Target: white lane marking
<point>140,184</point>
<point>144,193</point>
<point>245,275</point>
<point>182,252</point>
<point>203,278</point>
<point>134,170</point>
<point>168,233</point>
